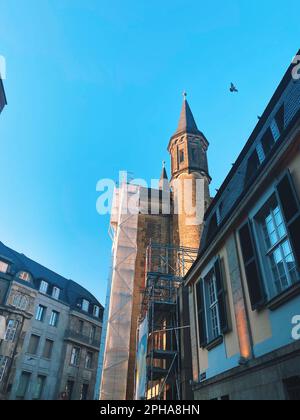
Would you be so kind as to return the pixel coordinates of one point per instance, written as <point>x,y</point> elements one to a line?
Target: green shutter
<point>201,314</point>
<point>222,303</point>
<point>253,274</point>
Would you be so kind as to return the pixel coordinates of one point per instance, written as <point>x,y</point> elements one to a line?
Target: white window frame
<point>40,313</point>
<point>24,276</point>
<point>267,252</point>
<point>88,364</point>
<point>85,305</point>
<point>4,266</point>
<point>54,317</point>
<point>96,311</point>
<point>44,287</point>
<point>56,293</point>
<point>211,306</point>
<point>75,356</point>
<point>11,330</point>
<point>3,365</point>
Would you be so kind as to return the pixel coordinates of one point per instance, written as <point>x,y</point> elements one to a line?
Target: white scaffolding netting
<point>124,226</point>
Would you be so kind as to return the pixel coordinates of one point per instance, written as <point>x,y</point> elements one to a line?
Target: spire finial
<point>184,95</point>
<point>164,164</point>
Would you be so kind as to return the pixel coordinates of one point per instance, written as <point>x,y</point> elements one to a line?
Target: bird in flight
<point>233,89</point>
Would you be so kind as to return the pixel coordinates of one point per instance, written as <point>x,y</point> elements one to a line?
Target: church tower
<point>190,178</point>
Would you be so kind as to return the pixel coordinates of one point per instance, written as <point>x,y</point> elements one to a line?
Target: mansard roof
<point>71,292</point>
<point>284,107</point>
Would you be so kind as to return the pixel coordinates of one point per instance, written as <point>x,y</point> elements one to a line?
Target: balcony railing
<point>81,338</point>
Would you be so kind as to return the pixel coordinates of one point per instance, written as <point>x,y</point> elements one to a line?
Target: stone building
<point>244,287</point>
<point>52,336</point>
<point>157,216</point>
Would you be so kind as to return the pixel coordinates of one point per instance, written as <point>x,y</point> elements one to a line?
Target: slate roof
<point>187,123</point>
<point>235,186</point>
<point>71,292</point>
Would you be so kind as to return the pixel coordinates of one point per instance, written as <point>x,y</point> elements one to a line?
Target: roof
<point>3,101</point>
<point>235,186</point>
<point>187,123</point>
<point>71,292</point>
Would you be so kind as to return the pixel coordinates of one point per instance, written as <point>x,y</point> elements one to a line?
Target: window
<point>40,313</point>
<point>56,293</point>
<point>96,311</point>
<point>11,330</point>
<point>212,308</point>
<point>280,119</point>
<point>20,302</point>
<point>292,386</point>
<point>54,319</point>
<point>92,334</point>
<point>23,385</point>
<point>212,227</point>
<point>33,344</point>
<point>213,320</point>
<point>3,267</point>
<point>181,156</point>
<point>277,249</point>
<point>275,130</point>
<point>80,327</point>
<point>44,287</point>
<point>75,356</point>
<point>24,276</point>
<point>3,365</point>
<point>70,389</point>
<point>89,360</point>
<point>268,142</point>
<point>84,392</point>
<point>47,354</point>
<point>252,166</point>
<point>39,387</point>
<point>85,305</point>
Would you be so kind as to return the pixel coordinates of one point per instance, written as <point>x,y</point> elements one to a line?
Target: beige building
<point>52,329</point>
<point>244,287</point>
<point>165,216</point>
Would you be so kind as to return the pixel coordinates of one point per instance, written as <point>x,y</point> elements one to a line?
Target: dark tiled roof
<point>71,292</point>
<point>3,101</point>
<point>187,123</point>
<point>235,186</point>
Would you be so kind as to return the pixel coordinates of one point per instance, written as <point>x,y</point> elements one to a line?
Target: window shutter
<point>291,211</point>
<point>253,274</point>
<point>221,290</point>
<point>201,314</point>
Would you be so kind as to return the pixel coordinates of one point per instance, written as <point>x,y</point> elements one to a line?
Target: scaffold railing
<point>166,267</point>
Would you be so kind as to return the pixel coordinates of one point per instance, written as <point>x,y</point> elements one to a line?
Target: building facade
<point>159,216</point>
<point>244,287</point>
<point>50,346</point>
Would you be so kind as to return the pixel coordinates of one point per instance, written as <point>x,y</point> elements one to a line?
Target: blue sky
<point>95,86</point>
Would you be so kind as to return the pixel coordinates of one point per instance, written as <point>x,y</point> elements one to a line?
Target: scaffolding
<point>166,267</point>
<point>116,343</point>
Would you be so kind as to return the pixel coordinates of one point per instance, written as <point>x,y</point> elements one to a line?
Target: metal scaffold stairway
<point>166,268</point>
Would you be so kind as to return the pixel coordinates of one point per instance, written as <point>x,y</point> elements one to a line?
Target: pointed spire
<point>187,123</point>
<point>164,180</point>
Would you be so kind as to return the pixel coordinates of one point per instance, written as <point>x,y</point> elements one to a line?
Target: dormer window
<point>44,287</point>
<point>3,267</point>
<point>85,305</point>
<point>56,293</point>
<point>96,311</point>
<point>24,276</point>
<point>252,167</point>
